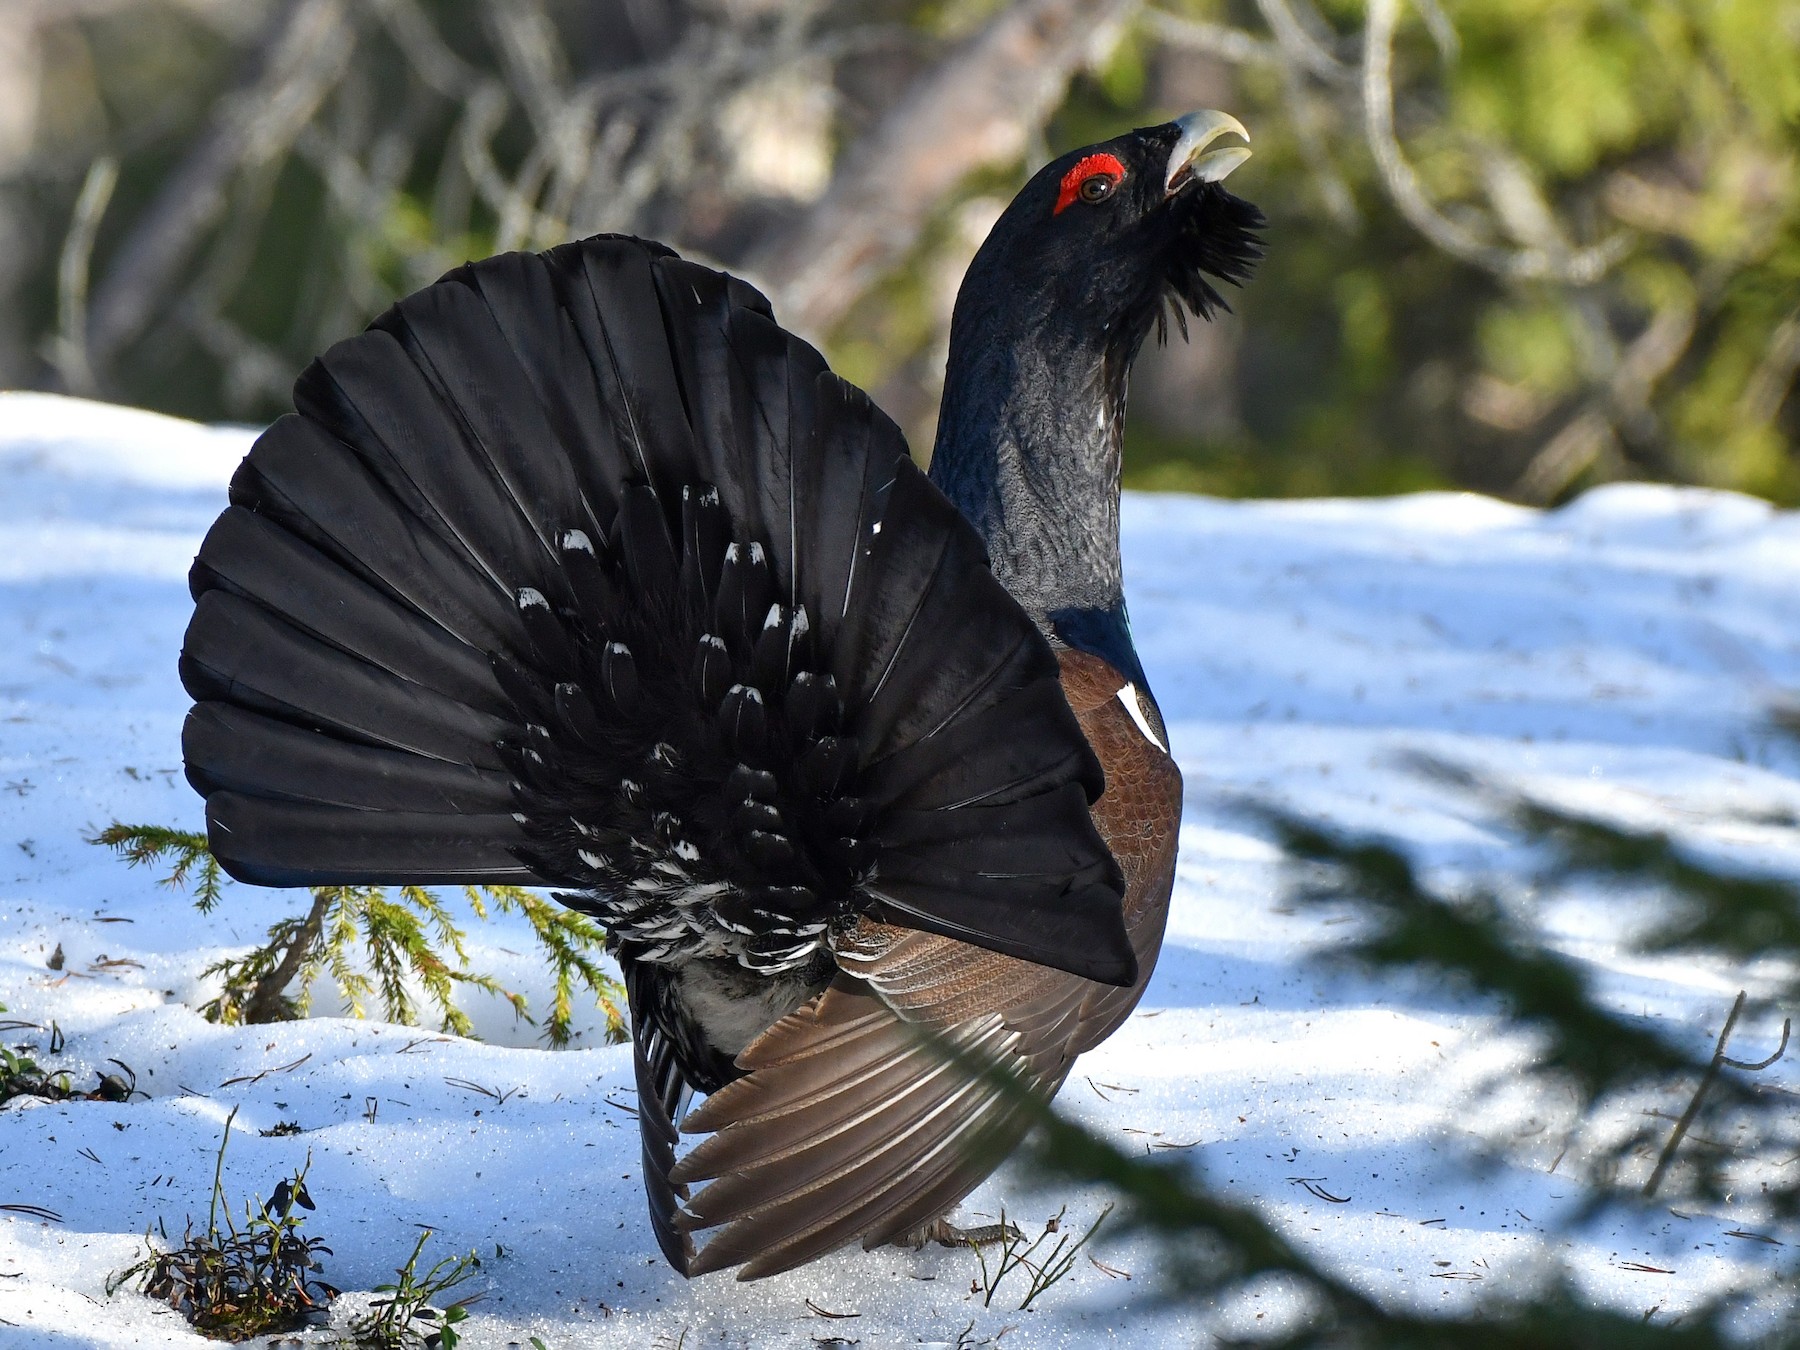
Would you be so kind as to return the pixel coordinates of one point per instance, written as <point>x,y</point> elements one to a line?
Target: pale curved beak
<point>1190,161</point>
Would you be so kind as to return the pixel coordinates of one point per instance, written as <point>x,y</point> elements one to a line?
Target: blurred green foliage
<point>1364,358</point>
<point>1374,362</point>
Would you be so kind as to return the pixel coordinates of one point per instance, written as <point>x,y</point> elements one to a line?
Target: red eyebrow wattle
<point>1085,167</point>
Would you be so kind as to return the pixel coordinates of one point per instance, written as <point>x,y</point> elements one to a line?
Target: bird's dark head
<point>1101,239</point>
<point>1052,313</point>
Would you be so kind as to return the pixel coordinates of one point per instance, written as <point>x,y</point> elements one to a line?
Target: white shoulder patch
<point>1134,704</point>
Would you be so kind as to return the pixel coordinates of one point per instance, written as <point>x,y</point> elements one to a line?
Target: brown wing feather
<point>848,1122</point>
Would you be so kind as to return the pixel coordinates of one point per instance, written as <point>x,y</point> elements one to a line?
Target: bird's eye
<point>1097,187</point>
<point>1094,178</point>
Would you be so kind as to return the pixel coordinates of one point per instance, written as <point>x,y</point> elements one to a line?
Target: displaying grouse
<point>576,570</point>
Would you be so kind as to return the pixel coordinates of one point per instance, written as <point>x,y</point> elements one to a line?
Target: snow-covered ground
<point>1620,654</point>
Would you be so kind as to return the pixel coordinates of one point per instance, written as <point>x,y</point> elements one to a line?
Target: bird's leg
<point>947,1234</point>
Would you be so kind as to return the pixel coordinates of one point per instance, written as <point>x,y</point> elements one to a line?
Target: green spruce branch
<point>403,1317</point>
<point>186,852</point>
<point>378,944</point>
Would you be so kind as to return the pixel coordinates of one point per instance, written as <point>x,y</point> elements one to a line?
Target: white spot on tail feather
<point>573,540</point>
<point>529,596</point>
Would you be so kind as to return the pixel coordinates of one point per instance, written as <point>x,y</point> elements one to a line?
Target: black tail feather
<point>576,568</point>
<point>288,843</point>
<point>663,1096</point>
<point>308,483</point>
<point>238,652</point>
<point>250,556</point>
<point>231,749</point>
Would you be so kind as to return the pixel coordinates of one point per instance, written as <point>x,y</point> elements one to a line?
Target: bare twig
<point>1234,45</point>
<point>1780,1049</point>
<point>531,57</point>
<point>1303,47</point>
<point>1580,267</point>
<point>1309,117</point>
<point>498,1096</point>
<point>1312,1186</point>
<point>1768,387</point>
<point>1309,130</point>
<point>71,354</point>
<point>432,60</point>
<point>1565,456</point>
<point>1624,397</point>
<point>1518,203</point>
<point>261,1074</point>
<point>673,135</point>
<point>1442,30</point>
<point>977,107</point>
<point>304,54</point>
<point>34,1211</point>
<point>1719,1060</point>
<point>483,111</point>
<point>251,370</point>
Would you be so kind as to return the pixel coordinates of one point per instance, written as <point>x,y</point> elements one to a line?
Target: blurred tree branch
<point>828,149</point>
<point>1578,267</point>
<point>72,277</point>
<point>978,107</point>
<point>302,54</point>
<point>1623,398</point>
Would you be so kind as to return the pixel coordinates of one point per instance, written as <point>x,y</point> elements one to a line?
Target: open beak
<point>1191,162</point>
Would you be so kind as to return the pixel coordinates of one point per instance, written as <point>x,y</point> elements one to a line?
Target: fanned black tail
<point>576,569</point>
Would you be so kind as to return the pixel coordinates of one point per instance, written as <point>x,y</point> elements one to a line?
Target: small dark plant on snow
<point>235,1282</point>
<point>406,933</point>
<point>1044,1262</point>
<point>22,1076</point>
<point>403,1317</point>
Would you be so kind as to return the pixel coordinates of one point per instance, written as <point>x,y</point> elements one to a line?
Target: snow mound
<point>1620,654</point>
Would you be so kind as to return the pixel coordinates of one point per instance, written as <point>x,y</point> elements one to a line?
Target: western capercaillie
<point>576,570</point>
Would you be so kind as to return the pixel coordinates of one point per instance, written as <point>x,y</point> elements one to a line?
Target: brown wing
<point>849,1124</point>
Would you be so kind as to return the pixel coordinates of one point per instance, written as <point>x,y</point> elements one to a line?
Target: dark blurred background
<point>1521,246</point>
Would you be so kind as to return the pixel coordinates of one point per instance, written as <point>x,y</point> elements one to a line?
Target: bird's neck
<point>1028,447</point>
